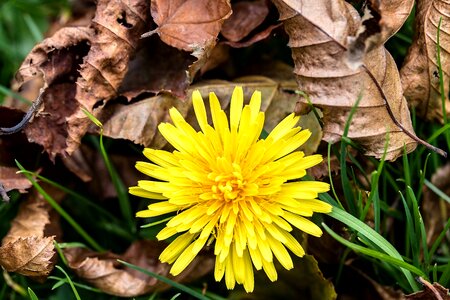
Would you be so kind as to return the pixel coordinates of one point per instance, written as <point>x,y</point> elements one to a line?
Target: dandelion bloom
<point>230,187</point>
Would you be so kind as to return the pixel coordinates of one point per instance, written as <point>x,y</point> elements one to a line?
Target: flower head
<point>230,187</point>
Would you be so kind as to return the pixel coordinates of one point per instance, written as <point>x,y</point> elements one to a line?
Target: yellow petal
<point>237,101</point>
<point>140,192</point>
<point>183,260</point>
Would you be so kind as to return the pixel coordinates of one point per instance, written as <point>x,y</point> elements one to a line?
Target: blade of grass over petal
<point>166,280</point>
<point>61,211</point>
<point>74,290</point>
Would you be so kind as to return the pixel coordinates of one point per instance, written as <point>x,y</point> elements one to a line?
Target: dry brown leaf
<point>247,15</point>
<point>117,26</point>
<point>420,74</point>
<point>433,291</point>
<point>157,68</point>
<point>435,211</point>
<point>318,38</point>
<point>138,122</point>
<point>28,247</point>
<point>189,25</point>
<point>103,51</point>
<point>104,272</point>
<point>13,181</point>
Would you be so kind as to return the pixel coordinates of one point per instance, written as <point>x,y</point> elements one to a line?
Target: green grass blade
<point>364,230</point>
<point>445,277</point>
<point>419,226</point>
<point>410,233</point>
<point>72,286</point>
<point>61,211</point>
<point>61,281</point>
<point>438,241</point>
<point>381,256</point>
<point>174,284</point>
<point>32,294</point>
<point>437,191</point>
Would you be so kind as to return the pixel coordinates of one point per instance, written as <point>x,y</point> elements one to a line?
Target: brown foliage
<point>318,38</point>
<point>105,272</point>
<point>420,75</point>
<point>28,247</point>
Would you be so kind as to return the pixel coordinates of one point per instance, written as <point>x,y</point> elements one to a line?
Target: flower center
<point>229,187</point>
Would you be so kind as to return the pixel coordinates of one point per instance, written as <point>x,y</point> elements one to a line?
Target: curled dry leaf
<point>318,37</point>
<point>138,122</point>
<point>103,51</point>
<point>247,15</point>
<point>28,247</point>
<point>117,26</point>
<point>104,272</point>
<point>420,73</point>
<point>189,25</point>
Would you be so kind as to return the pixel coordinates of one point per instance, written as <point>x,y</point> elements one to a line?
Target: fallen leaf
<point>56,60</point>
<point>104,272</point>
<point>318,39</point>
<point>13,181</point>
<point>433,291</point>
<point>150,71</point>
<point>189,24</point>
<point>246,16</point>
<point>138,121</point>
<point>28,247</point>
<point>103,51</point>
<point>420,74</point>
<point>117,26</point>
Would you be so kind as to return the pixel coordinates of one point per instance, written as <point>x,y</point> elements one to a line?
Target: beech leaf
<point>104,272</point>
<point>189,25</point>
<point>28,247</point>
<point>318,38</point>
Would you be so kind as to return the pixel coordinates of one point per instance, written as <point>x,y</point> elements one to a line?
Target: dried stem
<point>430,287</point>
<point>30,113</point>
<point>399,125</point>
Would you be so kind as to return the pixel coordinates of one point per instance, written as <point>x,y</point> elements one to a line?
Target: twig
<point>399,125</point>
<point>30,113</point>
<point>3,193</point>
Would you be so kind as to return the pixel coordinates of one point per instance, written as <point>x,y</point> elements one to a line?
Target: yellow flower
<point>229,187</point>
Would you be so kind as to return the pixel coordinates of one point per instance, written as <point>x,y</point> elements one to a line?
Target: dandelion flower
<point>231,188</point>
